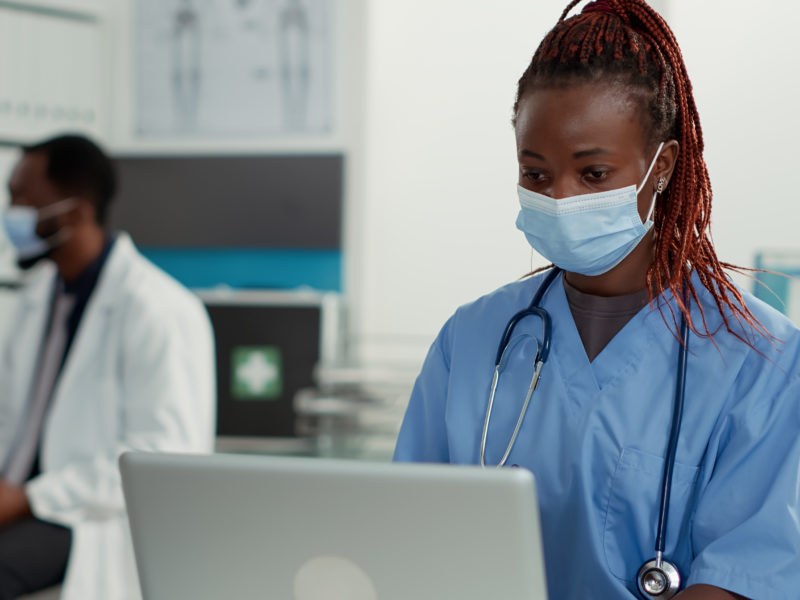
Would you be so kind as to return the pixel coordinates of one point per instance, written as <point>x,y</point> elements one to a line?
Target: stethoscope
<point>657,579</point>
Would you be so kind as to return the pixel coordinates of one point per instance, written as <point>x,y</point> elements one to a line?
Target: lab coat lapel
<point>99,311</point>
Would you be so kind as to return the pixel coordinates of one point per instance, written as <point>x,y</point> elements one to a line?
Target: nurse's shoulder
<point>461,356</point>
<point>774,337</point>
<point>765,355</point>
<point>471,335</point>
<point>493,310</point>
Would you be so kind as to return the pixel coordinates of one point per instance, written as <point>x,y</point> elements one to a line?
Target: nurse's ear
<point>665,165</point>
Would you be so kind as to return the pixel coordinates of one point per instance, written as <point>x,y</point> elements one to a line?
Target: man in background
<point>105,353</point>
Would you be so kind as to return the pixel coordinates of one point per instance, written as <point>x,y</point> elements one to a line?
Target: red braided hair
<point>626,42</point>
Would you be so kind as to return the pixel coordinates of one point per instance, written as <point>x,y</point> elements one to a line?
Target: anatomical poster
<point>233,68</point>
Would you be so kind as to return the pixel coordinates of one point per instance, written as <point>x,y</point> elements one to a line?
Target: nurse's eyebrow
<point>531,154</point>
<point>591,152</point>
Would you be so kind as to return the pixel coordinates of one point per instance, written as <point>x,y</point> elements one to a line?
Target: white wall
<point>742,59</point>
<point>439,200</point>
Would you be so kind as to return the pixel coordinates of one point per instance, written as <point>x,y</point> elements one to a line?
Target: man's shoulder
<point>141,283</point>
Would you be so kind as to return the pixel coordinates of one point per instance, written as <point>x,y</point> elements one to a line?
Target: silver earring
<point>661,183</point>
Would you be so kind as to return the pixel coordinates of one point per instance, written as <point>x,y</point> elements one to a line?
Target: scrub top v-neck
<point>599,318</point>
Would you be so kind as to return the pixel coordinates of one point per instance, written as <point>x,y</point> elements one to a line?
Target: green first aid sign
<point>256,373</point>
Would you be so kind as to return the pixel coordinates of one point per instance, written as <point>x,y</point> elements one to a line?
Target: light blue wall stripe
<point>270,268</point>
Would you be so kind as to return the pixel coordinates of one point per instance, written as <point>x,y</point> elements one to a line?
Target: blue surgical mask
<point>20,224</point>
<point>588,234</point>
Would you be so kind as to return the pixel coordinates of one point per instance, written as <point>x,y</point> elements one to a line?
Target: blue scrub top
<point>595,437</point>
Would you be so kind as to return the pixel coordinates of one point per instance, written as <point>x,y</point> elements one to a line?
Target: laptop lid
<point>234,526</point>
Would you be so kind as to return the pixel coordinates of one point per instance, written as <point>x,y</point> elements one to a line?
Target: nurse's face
<point>582,139</point>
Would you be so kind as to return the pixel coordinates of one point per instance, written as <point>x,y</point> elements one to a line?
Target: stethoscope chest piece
<point>658,581</point>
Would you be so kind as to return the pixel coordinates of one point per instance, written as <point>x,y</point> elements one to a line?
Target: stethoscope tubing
<point>541,357</point>
<point>674,434</point>
<point>532,309</point>
<point>668,569</point>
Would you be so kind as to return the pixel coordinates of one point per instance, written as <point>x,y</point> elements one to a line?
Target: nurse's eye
<point>533,176</point>
<point>595,175</point>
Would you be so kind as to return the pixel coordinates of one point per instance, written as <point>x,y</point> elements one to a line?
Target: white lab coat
<point>140,375</point>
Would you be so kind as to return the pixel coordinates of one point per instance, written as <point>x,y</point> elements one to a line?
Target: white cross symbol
<point>256,372</point>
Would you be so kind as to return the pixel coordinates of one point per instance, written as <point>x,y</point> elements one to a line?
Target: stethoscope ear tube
<point>674,434</point>
<point>543,351</point>
<point>533,309</point>
<point>495,377</point>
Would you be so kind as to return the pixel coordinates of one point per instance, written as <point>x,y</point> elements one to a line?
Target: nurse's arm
<point>423,434</point>
<point>707,592</point>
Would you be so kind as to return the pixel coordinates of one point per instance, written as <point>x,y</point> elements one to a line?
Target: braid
<point>626,42</point>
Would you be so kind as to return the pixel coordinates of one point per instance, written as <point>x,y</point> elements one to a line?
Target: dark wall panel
<point>231,201</point>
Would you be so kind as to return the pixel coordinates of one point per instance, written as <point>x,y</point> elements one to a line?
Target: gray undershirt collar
<point>599,318</point>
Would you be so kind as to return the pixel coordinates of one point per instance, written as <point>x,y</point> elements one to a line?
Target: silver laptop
<point>245,527</point>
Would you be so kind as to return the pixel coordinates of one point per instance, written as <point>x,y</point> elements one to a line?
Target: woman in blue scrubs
<point>614,191</point>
